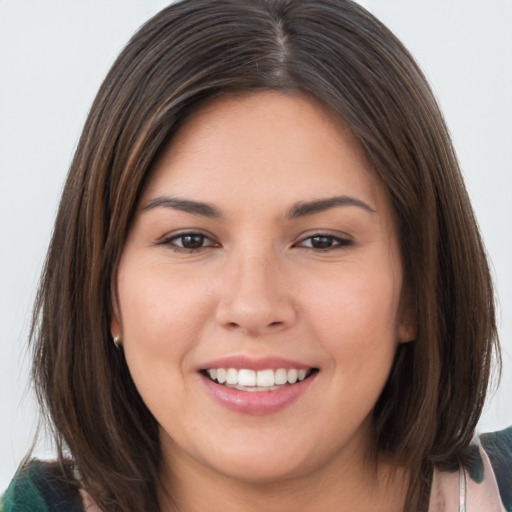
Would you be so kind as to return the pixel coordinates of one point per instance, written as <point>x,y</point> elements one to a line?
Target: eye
<point>188,242</point>
<point>324,242</point>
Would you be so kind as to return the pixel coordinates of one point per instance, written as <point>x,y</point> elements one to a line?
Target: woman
<point>266,288</point>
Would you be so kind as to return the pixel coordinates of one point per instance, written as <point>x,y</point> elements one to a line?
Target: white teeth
<point>221,375</point>
<point>281,376</point>
<point>292,376</point>
<point>247,378</point>
<point>251,380</point>
<point>232,376</point>
<point>266,378</point>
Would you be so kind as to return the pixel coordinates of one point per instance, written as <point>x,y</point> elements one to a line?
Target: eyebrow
<point>300,209</point>
<point>311,207</point>
<point>185,205</point>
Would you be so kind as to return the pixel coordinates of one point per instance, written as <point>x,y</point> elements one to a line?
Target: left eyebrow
<point>320,205</point>
<point>184,205</point>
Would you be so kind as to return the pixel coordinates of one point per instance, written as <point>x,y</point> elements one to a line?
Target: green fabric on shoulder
<point>498,446</point>
<point>36,488</point>
<point>22,494</point>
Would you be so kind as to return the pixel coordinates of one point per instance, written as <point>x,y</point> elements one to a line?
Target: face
<point>259,293</point>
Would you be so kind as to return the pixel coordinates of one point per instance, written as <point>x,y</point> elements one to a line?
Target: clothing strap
<point>462,488</point>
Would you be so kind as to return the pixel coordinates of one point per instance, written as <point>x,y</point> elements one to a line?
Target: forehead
<point>261,147</point>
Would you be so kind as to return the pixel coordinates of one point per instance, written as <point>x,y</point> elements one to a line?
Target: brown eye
<point>323,242</point>
<point>194,241</point>
<point>188,242</point>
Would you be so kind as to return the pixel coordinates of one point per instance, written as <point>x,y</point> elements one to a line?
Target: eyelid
<point>170,237</point>
<point>342,240</point>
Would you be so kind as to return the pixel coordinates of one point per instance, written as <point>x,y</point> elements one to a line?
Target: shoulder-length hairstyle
<point>189,54</point>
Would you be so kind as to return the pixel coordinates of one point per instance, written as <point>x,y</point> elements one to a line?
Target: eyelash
<point>335,242</point>
<point>171,241</point>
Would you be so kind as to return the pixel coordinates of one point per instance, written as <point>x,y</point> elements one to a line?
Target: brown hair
<point>191,52</point>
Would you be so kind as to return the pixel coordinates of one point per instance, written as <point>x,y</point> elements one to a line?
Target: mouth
<point>257,386</point>
<point>249,380</point>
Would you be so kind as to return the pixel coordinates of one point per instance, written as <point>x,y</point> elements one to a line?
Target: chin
<point>260,463</point>
<point>262,472</point>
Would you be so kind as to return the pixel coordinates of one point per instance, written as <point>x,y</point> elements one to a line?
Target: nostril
<point>271,324</point>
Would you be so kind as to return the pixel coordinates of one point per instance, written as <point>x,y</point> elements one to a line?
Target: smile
<point>256,386</point>
<point>260,380</point>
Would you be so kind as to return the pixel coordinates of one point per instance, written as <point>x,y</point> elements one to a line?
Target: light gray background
<point>53,57</point>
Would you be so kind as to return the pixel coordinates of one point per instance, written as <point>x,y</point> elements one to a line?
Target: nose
<point>255,296</point>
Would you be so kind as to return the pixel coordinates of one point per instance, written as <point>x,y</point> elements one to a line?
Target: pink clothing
<point>457,492</point>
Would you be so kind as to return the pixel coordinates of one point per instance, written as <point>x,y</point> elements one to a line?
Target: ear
<point>407,329</point>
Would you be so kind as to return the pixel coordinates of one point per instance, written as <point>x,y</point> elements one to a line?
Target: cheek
<point>162,317</point>
<point>161,314</point>
<point>355,315</point>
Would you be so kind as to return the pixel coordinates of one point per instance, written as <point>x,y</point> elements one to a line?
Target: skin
<point>259,286</point>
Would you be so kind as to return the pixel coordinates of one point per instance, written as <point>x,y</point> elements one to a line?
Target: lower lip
<point>257,402</point>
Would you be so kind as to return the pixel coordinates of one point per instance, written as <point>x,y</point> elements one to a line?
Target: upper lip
<point>250,363</point>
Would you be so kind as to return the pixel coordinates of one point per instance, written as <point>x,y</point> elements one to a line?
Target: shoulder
<point>498,447</point>
<point>40,487</point>
<point>485,484</point>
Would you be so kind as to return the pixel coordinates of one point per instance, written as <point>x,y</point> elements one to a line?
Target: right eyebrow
<point>184,205</point>
<point>302,209</point>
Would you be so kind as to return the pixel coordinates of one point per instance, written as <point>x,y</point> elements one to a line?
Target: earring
<point>117,341</point>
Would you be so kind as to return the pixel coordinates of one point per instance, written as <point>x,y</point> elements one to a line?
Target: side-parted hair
<point>187,55</point>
